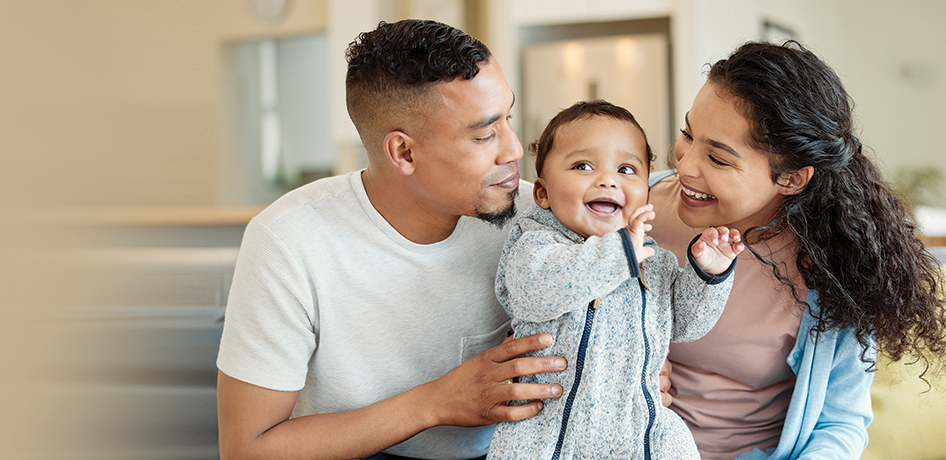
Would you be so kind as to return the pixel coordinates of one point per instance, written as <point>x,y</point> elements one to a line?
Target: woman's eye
<point>714,160</point>
<point>625,170</point>
<point>686,135</point>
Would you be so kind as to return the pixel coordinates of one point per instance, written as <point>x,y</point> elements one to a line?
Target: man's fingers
<point>528,391</point>
<point>531,392</point>
<point>516,413</point>
<point>665,398</point>
<point>527,366</point>
<point>510,349</point>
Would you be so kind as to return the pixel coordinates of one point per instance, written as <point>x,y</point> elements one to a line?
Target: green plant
<point>921,184</point>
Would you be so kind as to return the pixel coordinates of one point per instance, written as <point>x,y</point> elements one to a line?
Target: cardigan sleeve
<point>840,430</point>
<point>830,408</point>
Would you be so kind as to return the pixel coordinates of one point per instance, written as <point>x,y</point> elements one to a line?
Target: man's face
<point>466,155</point>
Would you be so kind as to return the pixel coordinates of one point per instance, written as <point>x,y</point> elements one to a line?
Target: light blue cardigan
<point>830,407</point>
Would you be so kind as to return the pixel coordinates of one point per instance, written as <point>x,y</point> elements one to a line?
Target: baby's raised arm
<point>637,227</point>
<point>716,249</point>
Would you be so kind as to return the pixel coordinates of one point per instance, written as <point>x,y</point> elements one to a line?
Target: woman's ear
<point>398,151</point>
<point>540,194</point>
<point>794,183</point>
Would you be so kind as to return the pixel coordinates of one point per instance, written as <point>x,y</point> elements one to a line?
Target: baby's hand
<point>716,249</point>
<point>638,228</point>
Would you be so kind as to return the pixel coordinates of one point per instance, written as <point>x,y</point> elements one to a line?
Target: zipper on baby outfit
<point>637,271</point>
<point>651,409</point>
<point>579,365</point>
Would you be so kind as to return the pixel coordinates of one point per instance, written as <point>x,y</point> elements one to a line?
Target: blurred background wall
<point>137,137</point>
<point>138,102</point>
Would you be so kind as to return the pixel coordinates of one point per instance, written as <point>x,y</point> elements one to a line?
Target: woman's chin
<point>696,217</point>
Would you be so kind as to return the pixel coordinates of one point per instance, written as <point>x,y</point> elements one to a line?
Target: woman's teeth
<point>698,196</point>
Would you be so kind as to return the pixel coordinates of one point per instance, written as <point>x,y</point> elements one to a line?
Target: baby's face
<point>595,176</point>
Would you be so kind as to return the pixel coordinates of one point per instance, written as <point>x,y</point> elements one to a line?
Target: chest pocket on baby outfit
<point>476,344</point>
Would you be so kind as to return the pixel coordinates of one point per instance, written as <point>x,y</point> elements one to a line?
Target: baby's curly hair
<point>583,109</point>
<point>392,69</point>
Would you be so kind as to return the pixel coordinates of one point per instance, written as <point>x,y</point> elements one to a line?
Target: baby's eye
<point>626,170</point>
<point>583,167</point>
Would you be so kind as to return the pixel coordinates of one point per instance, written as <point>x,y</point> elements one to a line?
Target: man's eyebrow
<point>491,119</point>
<point>715,144</point>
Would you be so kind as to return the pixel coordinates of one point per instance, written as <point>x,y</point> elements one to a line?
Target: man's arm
<point>254,422</point>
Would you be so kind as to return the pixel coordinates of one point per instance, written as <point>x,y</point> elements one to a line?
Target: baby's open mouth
<point>698,196</point>
<point>603,207</point>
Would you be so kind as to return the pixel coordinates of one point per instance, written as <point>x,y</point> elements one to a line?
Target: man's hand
<point>475,393</point>
<point>638,228</point>
<point>665,398</point>
<point>716,249</point>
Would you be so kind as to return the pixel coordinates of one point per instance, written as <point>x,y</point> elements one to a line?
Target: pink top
<point>733,386</point>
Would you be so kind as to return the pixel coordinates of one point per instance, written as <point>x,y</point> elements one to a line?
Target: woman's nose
<point>683,163</point>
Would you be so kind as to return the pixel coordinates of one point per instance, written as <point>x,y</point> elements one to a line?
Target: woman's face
<point>725,181</point>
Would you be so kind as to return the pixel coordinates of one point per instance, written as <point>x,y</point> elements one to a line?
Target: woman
<point>833,275</point>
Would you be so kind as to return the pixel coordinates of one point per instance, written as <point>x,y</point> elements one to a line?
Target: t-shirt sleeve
<point>271,319</point>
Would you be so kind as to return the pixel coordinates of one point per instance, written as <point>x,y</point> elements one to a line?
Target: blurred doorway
<point>626,63</point>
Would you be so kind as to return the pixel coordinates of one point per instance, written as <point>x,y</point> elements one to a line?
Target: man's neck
<point>393,198</point>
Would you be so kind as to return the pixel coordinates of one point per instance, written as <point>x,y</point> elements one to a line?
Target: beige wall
<point>892,60</point>
<point>116,102</point>
<point>119,102</point>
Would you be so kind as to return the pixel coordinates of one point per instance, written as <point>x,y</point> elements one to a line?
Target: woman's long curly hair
<point>858,245</point>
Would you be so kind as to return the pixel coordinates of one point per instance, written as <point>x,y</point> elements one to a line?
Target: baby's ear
<point>540,194</point>
<point>794,183</point>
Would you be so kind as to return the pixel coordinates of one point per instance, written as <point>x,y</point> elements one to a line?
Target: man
<point>362,312</point>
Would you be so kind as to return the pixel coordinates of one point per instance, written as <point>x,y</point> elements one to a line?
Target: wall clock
<point>269,10</point>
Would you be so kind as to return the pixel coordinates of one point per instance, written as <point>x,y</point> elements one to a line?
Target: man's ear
<point>540,194</point>
<point>397,147</point>
<point>794,183</point>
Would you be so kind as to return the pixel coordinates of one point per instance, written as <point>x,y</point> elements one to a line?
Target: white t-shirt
<point>329,299</point>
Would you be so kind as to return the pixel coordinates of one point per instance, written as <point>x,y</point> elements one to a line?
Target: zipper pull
<point>595,303</point>
<point>640,279</point>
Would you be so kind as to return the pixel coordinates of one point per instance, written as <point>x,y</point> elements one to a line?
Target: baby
<point>579,266</point>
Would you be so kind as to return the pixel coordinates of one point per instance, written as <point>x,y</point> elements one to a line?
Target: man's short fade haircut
<point>391,68</point>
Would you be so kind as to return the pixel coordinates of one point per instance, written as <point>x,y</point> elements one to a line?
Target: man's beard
<point>499,218</point>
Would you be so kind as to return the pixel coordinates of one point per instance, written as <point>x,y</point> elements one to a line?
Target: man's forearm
<point>255,424</point>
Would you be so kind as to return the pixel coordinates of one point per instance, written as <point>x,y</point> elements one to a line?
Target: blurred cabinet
<point>126,356</point>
